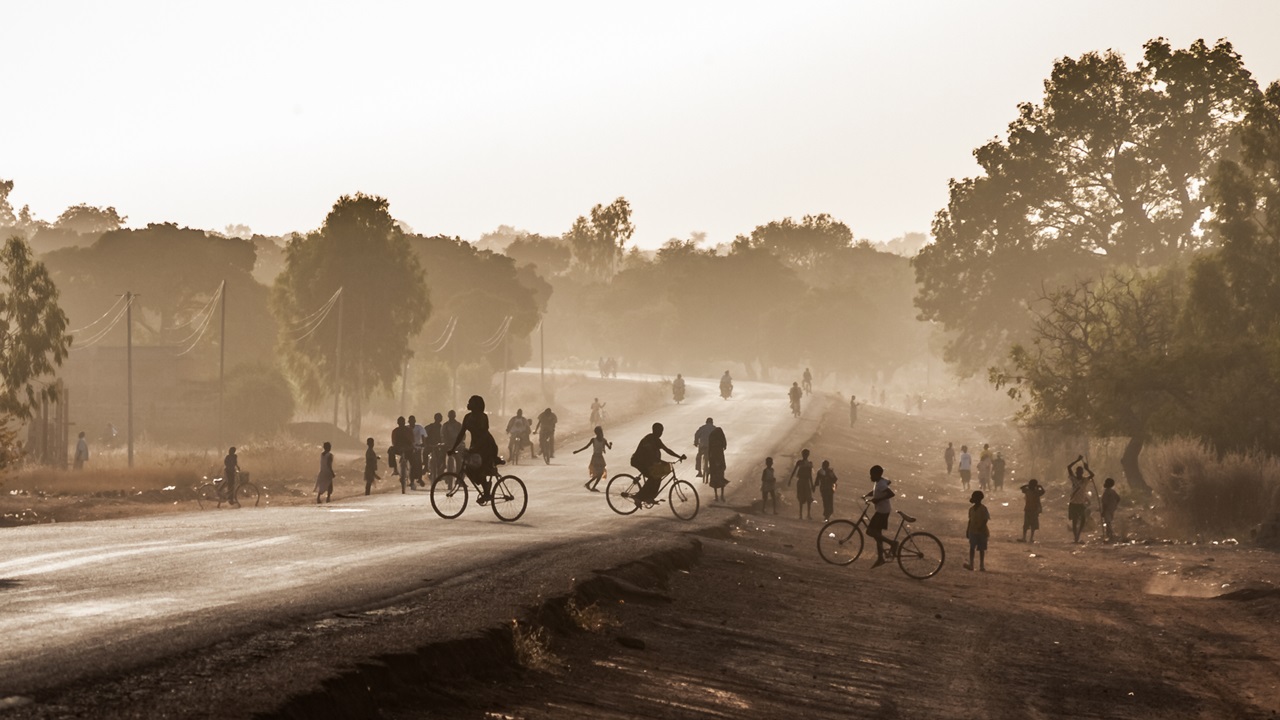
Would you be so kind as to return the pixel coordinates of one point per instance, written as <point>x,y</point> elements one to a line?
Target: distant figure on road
<point>518,429</point>
<point>802,473</point>
<point>449,435</point>
<point>596,468</point>
<point>1078,505</point>
<point>997,472</point>
<point>808,381</point>
<point>853,410</point>
<point>546,430</point>
<point>795,393</point>
<point>82,452</point>
<point>230,466</point>
<point>700,441</point>
<point>984,471</point>
<point>597,411</point>
<point>716,445</point>
<point>398,453</point>
<point>419,436</point>
<point>966,466</point>
<point>949,457</point>
<point>977,531</point>
<point>768,487</point>
<point>677,389</point>
<point>370,466</point>
<point>826,482</point>
<point>1031,509</point>
<point>434,447</point>
<point>324,478</point>
<point>881,495</point>
<point>1110,501</point>
<point>726,385</point>
<point>482,455</point>
<point>648,460</point>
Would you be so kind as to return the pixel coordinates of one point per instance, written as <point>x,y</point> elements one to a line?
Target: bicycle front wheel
<point>248,492</point>
<point>449,495</point>
<point>683,499</point>
<point>840,542</point>
<point>509,498</point>
<point>621,492</point>
<point>920,555</point>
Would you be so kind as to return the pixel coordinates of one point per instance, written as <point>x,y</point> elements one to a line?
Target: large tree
<point>1107,172</point>
<point>33,331</point>
<point>803,245</point>
<point>598,241</point>
<point>361,250</point>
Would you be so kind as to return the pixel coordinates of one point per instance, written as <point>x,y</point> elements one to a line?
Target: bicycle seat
<point>906,517</point>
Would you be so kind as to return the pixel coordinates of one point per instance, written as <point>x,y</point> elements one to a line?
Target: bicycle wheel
<point>247,492</point>
<point>920,555</point>
<point>683,499</point>
<point>509,498</point>
<point>840,542</point>
<point>546,451</point>
<point>207,494</point>
<point>620,493</point>
<point>449,495</point>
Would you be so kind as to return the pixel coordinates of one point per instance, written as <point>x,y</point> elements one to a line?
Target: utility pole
<point>337,363</point>
<point>128,329</point>
<point>404,387</point>
<point>222,365</point>
<point>542,357</point>
<point>506,360</point>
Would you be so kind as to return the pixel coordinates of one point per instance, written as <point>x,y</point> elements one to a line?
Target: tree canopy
<point>33,330</point>
<point>598,241</point>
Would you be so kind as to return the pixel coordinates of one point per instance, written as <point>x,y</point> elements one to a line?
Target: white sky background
<point>711,117</point>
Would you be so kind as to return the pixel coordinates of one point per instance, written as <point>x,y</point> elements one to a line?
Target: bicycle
<point>622,489</point>
<point>449,495</point>
<point>215,491</point>
<point>919,554</point>
<point>546,445</point>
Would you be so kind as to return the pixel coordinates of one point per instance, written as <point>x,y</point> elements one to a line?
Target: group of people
<point>991,467</point>
<point>416,452</point>
<point>608,367</point>
<point>521,431</point>
<point>806,482</point>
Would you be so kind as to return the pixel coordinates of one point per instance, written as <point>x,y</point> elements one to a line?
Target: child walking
<point>1110,501</point>
<point>803,474</point>
<point>977,531</point>
<point>768,487</point>
<point>596,467</point>
<point>370,466</point>
<point>1032,492</point>
<point>826,482</point>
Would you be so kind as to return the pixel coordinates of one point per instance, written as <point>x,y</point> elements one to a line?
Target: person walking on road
<point>418,435</point>
<point>802,473</point>
<point>853,410</point>
<point>1032,492</point>
<point>949,457</point>
<point>1078,504</point>
<point>230,467</point>
<point>716,445</point>
<point>826,482</point>
<point>596,468</point>
<point>449,435</point>
<point>324,478</point>
<point>965,467</point>
<point>881,495</point>
<point>977,531</point>
<point>1110,501</point>
<point>402,444</point>
<point>997,472</point>
<point>82,452</point>
<point>370,466</point>
<point>984,471</point>
<point>768,487</point>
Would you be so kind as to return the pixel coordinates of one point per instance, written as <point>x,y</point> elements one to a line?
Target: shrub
<point>259,401</point>
<point>1201,493</point>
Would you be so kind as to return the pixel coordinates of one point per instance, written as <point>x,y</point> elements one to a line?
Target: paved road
<point>82,599</point>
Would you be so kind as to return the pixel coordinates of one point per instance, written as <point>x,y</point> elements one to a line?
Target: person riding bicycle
<point>880,495</point>
<point>449,436</point>
<point>518,429</point>
<point>726,385</point>
<point>230,466</point>
<point>677,388</point>
<point>433,447</point>
<point>597,411</point>
<point>482,458</point>
<point>648,460</point>
<point>795,393</point>
<point>546,430</point>
<point>700,441</point>
<point>808,381</point>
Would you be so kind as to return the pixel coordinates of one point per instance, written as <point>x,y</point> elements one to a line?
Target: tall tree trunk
<point>1129,464</point>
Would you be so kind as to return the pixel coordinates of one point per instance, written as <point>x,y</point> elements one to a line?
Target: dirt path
<point>763,628</point>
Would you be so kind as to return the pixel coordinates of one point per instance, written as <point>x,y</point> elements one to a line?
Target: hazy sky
<point>709,117</point>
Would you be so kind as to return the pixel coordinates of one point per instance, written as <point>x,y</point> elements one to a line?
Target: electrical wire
<point>309,326</point>
<point>98,337</point>
<point>493,342</point>
<point>320,322</point>
<point>77,331</point>
<point>204,321</point>
<point>446,335</point>
<point>197,317</point>
<point>204,327</point>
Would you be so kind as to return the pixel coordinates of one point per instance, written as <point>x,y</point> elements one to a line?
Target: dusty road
<point>88,600</point>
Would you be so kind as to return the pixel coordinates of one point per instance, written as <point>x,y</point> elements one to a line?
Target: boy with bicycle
<point>880,496</point>
<point>648,460</point>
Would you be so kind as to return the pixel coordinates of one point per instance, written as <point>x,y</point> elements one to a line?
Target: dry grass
<point>1202,495</point>
<point>532,644</point>
<point>590,618</point>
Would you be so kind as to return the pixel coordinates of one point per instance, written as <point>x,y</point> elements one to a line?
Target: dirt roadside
<point>762,628</point>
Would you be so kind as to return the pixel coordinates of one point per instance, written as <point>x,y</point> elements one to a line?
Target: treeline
<point>1115,265</point>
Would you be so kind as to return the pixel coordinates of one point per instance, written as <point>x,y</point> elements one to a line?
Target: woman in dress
<point>596,467</point>
<point>482,458</point>
<point>324,479</point>
<point>716,445</point>
<point>803,474</point>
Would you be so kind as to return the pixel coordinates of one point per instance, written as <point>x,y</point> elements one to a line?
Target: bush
<point>432,387</point>
<point>259,401</point>
<point>1201,493</point>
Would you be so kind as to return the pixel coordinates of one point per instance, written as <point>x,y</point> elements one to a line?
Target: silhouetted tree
<point>33,331</point>
<point>802,245</point>
<point>551,256</point>
<point>598,242</point>
<point>88,220</point>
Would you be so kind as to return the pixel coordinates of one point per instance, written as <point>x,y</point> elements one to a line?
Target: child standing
<point>370,466</point>
<point>803,473</point>
<point>1032,492</point>
<point>826,482</point>
<point>768,487</point>
<point>977,531</point>
<point>596,467</point>
<point>1110,501</point>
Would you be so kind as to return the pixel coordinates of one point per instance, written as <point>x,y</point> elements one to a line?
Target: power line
<point>77,331</point>
<point>493,342</point>
<point>97,338</point>
<point>323,313</point>
<point>207,312</point>
<point>307,320</point>
<point>201,331</point>
<point>443,341</point>
<point>195,318</point>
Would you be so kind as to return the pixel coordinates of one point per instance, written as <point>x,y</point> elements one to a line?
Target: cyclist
<point>518,429</point>
<point>597,411</point>
<point>546,430</point>
<point>482,459</point>
<point>700,441</point>
<point>230,466</point>
<point>795,393</point>
<point>677,388</point>
<point>880,495</point>
<point>726,385</point>
<point>808,381</point>
<point>434,446</point>
<point>648,460</point>
<point>449,435</point>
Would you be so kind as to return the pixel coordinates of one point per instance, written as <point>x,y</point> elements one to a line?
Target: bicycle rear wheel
<point>449,495</point>
<point>207,494</point>
<point>920,555</point>
<point>840,542</point>
<point>509,498</point>
<point>247,492</point>
<point>620,493</point>
<point>683,499</point>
